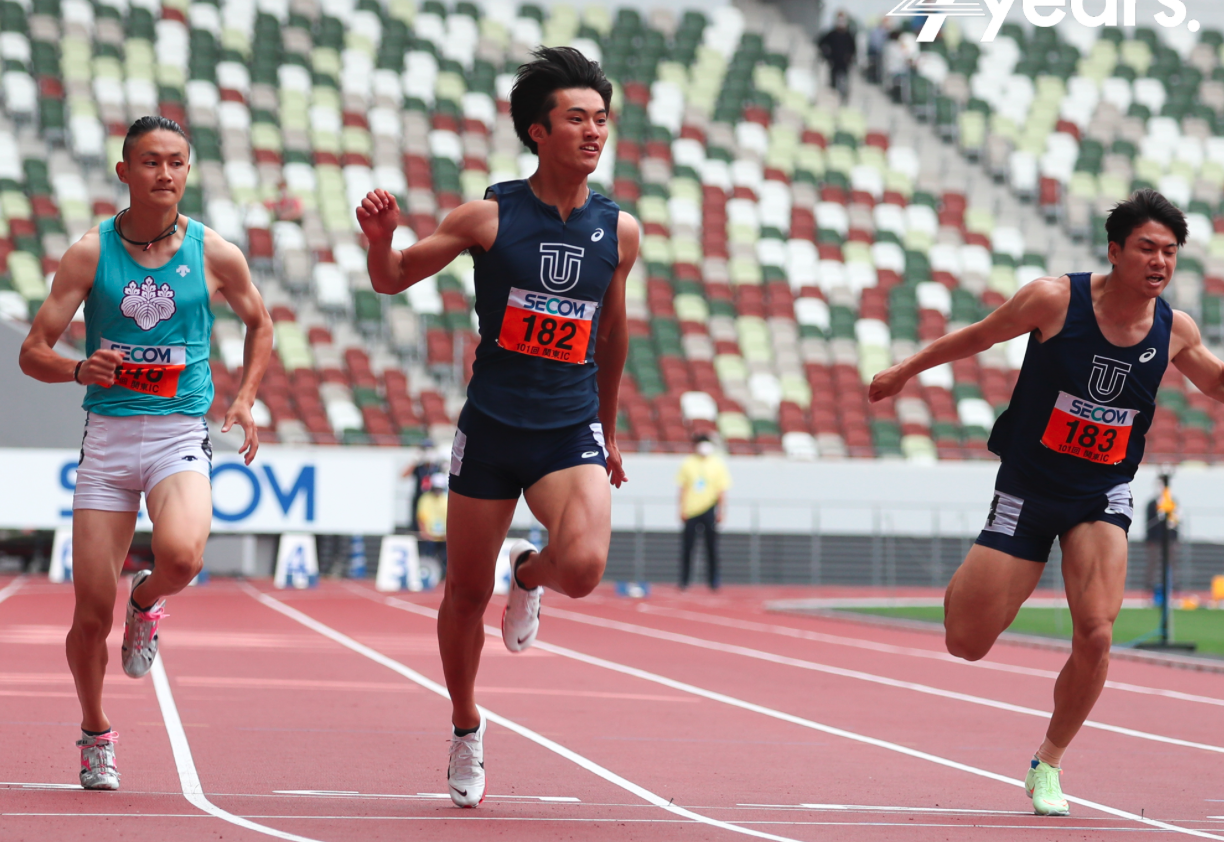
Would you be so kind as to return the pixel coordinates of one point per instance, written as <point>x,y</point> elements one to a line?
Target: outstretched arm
<point>73,281</point>
<point>226,265</point>
<point>394,270</point>
<point>612,344</point>
<point>1192,358</point>
<point>1040,306</point>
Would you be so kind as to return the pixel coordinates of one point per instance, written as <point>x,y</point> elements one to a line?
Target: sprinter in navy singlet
<point>551,261</point>
<point>1070,443</point>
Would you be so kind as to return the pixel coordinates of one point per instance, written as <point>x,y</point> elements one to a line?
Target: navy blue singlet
<point>1082,406</point>
<point>538,294</point>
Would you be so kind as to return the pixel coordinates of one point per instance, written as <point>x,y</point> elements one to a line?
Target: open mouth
<point>590,148</point>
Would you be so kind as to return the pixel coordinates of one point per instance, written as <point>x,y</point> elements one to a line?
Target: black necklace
<point>170,231</point>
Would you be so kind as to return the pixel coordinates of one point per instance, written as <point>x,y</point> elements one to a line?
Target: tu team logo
<point>560,266</point>
<point>1107,379</point>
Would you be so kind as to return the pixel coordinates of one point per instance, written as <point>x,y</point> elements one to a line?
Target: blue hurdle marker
<point>633,590</point>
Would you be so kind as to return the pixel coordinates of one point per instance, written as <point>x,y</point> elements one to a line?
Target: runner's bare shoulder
<point>80,262</point>
<point>474,222</point>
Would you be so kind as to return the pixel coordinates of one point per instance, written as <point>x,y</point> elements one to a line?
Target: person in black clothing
<point>839,49</point>
<point>1157,523</point>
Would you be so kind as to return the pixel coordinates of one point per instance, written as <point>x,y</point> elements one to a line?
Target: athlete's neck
<point>143,223</point>
<point>559,189</point>
<point>1120,303</point>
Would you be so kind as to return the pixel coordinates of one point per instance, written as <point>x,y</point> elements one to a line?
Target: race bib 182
<point>149,369</point>
<point>540,324</point>
<point>1088,430</point>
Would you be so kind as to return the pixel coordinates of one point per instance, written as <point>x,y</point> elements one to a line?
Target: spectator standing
<point>428,464</point>
<point>703,481</point>
<point>839,48</point>
<point>1161,517</point>
<point>431,519</point>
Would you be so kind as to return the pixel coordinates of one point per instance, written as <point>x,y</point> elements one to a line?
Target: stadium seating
<point>791,248</point>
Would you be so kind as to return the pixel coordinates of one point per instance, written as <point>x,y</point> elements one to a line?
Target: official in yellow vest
<point>703,480</point>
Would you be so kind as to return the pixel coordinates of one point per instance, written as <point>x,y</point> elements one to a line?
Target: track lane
<point>1197,718</point>
<point>807,723</point>
<point>40,721</point>
<point>895,774</point>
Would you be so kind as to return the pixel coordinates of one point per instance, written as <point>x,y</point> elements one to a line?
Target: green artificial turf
<point>1204,627</point>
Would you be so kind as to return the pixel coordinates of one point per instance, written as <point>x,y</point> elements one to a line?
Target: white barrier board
<point>340,491</point>
<point>297,562</point>
<point>399,565</point>
<point>61,556</point>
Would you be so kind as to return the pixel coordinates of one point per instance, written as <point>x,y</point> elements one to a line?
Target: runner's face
<point>579,129</point>
<point>1147,261</point>
<point>156,168</point>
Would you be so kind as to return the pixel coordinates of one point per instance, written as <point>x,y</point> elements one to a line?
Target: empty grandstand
<point>793,246</point>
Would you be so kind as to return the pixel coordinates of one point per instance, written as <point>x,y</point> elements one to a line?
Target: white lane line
<point>757,654</point>
<point>553,820</point>
<point>557,748</point>
<point>189,779</point>
<point>907,651</point>
<point>421,796</point>
<point>12,587</point>
<point>798,720</point>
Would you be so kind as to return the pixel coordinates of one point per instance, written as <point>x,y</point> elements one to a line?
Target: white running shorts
<point>122,456</point>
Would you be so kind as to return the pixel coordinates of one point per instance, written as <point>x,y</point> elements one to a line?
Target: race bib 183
<point>540,324</point>
<point>149,369</point>
<point>1088,430</point>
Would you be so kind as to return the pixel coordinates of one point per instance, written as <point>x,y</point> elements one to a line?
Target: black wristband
<point>76,372</point>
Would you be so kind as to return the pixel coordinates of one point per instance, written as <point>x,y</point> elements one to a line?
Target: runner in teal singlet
<point>145,278</point>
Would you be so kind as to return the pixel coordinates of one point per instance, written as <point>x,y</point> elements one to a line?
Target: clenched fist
<point>378,215</point>
<point>101,367</point>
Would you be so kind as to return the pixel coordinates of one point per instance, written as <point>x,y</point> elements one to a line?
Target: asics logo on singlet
<point>1147,355</point>
<point>1107,379</point>
<point>148,303</point>
<point>560,266</point>
<point>597,236</point>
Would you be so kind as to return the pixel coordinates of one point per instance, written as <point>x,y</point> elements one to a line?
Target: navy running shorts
<point>1024,523</point>
<point>494,461</point>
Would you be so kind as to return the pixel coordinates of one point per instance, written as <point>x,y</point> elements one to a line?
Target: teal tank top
<point>161,322</point>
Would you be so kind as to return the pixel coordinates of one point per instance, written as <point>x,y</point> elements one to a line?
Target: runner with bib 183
<point>145,277</point>
<point>1070,441</point>
<point>551,260</point>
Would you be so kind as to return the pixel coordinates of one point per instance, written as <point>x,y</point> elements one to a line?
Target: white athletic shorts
<point>122,456</point>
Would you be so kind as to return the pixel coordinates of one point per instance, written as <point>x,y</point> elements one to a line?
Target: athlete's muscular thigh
<point>1094,570</point>
<point>475,530</point>
<point>983,598</point>
<point>180,507</point>
<point>100,542</point>
<point>575,506</point>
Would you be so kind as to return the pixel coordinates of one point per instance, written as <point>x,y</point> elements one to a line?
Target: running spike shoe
<point>521,617</point>
<point>1043,786</point>
<point>140,632</point>
<point>98,760</point>
<point>465,776</point>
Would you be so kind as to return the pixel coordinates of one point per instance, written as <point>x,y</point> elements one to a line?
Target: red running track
<point>315,715</point>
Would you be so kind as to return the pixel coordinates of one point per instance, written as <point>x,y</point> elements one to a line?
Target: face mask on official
<point>705,448</point>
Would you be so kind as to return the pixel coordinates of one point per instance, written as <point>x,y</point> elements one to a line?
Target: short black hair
<point>1145,206</point>
<point>534,93</point>
<point>150,124</point>
<point>698,438</point>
